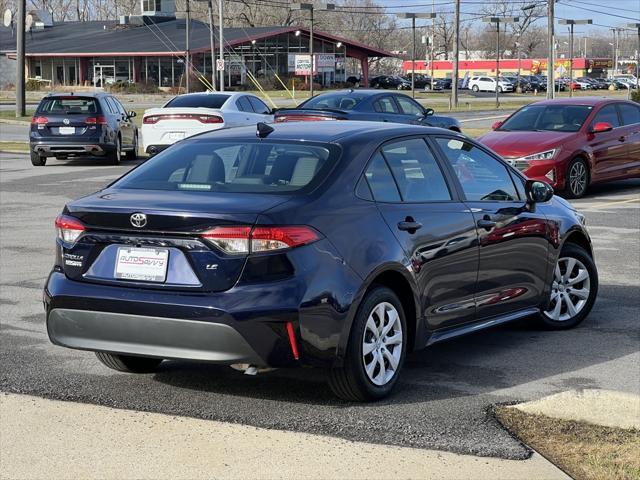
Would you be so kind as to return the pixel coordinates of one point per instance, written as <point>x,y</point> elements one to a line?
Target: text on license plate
<point>176,135</point>
<point>148,264</point>
<point>67,130</point>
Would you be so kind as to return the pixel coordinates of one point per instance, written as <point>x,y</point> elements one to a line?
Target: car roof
<point>587,101</point>
<point>367,92</point>
<point>78,94</point>
<point>327,131</point>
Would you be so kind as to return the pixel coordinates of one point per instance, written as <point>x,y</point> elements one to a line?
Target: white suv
<point>488,84</point>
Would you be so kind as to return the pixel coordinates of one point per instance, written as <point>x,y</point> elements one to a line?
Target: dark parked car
<point>340,245</point>
<point>420,81</point>
<point>390,82</point>
<point>440,84</point>
<point>67,125</point>
<point>571,143</point>
<point>370,105</point>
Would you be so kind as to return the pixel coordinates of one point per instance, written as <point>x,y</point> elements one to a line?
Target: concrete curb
<point>14,122</point>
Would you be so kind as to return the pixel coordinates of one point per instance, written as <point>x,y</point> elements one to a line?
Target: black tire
<point>351,382</point>
<point>38,160</point>
<point>578,253</point>
<point>115,157</point>
<point>576,189</point>
<point>133,153</point>
<point>129,364</point>
<point>500,90</point>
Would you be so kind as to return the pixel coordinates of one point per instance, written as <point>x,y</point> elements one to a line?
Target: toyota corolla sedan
<point>571,143</point>
<point>337,245</point>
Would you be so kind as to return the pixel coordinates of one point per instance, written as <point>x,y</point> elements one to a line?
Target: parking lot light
<point>413,17</point>
<point>498,21</point>
<point>637,27</point>
<point>571,23</point>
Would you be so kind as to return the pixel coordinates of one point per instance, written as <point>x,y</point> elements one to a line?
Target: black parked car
<point>440,84</point>
<point>340,245</point>
<point>536,83</point>
<point>420,81</point>
<point>390,82</point>
<point>96,124</point>
<point>369,105</point>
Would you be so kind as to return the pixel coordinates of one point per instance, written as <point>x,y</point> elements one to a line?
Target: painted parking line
<point>598,206</point>
<point>482,118</point>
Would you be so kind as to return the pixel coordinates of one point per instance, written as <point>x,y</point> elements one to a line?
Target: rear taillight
<point>68,228</point>
<point>98,120</point>
<point>304,118</point>
<point>39,121</point>
<point>244,240</point>
<point>153,119</point>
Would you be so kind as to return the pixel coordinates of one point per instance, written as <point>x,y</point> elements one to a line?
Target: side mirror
<point>496,125</point>
<point>131,114</point>
<point>428,112</point>
<point>538,191</point>
<point>601,127</point>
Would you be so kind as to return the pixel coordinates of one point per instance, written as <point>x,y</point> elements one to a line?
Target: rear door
<point>513,238</point>
<point>435,229</point>
<point>245,114</point>
<point>127,127</point>
<point>630,115</point>
<point>609,148</point>
<point>387,109</point>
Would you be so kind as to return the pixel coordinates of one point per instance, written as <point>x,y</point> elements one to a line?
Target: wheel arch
<point>579,238</point>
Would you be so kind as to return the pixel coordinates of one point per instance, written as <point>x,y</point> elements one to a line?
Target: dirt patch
<point>583,450</point>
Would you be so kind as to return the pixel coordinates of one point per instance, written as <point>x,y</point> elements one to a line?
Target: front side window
<point>251,167</point>
<point>416,171</point>
<point>408,106</point>
<point>607,114</point>
<point>385,105</point>
<point>482,177</point>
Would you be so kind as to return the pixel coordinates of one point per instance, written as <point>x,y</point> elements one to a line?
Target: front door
<point>435,229</point>
<point>513,237</point>
<point>609,148</point>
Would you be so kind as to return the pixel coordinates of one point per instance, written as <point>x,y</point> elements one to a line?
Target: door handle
<point>409,225</point>
<point>622,138</point>
<point>486,223</point>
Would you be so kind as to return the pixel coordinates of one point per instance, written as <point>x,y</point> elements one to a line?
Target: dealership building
<point>151,47</point>
<point>582,67</point>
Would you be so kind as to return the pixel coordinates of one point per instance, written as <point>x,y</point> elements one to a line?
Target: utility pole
<point>498,21</point>
<point>571,23</point>
<point>456,56</point>
<point>637,27</point>
<point>20,60</point>
<point>433,39</point>
<point>413,17</point>
<point>213,52</point>
<point>221,40</point>
<point>551,85</point>
<point>187,54</point>
<point>310,7</point>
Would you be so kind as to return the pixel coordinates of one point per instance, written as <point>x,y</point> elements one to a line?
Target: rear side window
<point>383,186</point>
<point>247,167</point>
<point>630,114</point>
<point>203,100</point>
<point>243,104</point>
<point>416,171</point>
<point>68,105</point>
<point>259,106</point>
<point>482,177</point>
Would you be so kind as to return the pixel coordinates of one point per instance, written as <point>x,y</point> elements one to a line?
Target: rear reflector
<point>68,228</point>
<point>39,120</point>
<point>304,118</point>
<point>292,341</point>
<point>153,119</point>
<point>98,120</point>
<point>243,240</point>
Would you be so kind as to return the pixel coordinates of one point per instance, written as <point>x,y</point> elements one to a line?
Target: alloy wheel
<point>578,178</point>
<point>382,344</point>
<point>570,289</point>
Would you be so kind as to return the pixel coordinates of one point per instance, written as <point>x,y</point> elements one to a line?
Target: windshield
<point>336,101</point>
<point>203,100</point>
<point>68,105</point>
<point>555,118</point>
<point>247,167</point>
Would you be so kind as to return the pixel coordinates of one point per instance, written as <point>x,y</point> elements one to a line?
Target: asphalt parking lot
<point>446,392</point>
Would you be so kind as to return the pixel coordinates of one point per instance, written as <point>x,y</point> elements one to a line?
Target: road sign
<point>220,65</point>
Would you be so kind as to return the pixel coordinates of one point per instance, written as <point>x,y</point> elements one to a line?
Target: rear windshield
<point>555,118</point>
<point>68,105</point>
<point>337,101</point>
<point>250,167</point>
<point>200,100</point>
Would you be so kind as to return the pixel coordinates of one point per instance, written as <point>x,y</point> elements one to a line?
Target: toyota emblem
<point>66,121</point>
<point>138,220</point>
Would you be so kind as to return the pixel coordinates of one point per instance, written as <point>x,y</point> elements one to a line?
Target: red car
<point>571,143</point>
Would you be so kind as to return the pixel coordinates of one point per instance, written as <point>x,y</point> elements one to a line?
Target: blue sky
<point>604,13</point>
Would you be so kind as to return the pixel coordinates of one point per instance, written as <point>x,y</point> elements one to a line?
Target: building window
<point>151,5</point>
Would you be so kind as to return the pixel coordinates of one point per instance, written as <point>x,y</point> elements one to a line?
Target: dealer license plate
<point>147,264</point>
<point>67,130</point>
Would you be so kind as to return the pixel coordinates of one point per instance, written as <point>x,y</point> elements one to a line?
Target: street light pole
<point>551,86</point>
<point>571,23</point>
<point>498,21</point>
<point>456,56</point>
<point>413,17</point>
<point>213,52</point>
<point>221,41</point>
<point>20,60</point>
<point>637,26</point>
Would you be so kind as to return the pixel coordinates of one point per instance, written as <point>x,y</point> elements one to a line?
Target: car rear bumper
<point>149,336</point>
<point>51,149</point>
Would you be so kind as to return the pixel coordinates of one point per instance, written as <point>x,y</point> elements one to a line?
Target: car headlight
<point>546,155</point>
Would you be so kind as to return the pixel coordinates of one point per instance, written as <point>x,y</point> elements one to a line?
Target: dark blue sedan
<point>340,245</point>
<point>368,105</point>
